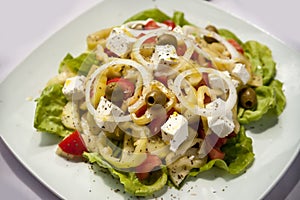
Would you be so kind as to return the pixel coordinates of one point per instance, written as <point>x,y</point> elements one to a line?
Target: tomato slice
<point>73,144</point>
<point>215,153</point>
<point>170,24</point>
<point>151,25</point>
<point>236,45</point>
<point>140,112</point>
<point>142,171</point>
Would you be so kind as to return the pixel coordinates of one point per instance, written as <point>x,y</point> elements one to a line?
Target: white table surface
<point>24,25</point>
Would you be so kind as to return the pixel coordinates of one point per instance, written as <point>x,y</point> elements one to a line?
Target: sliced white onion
<point>234,53</point>
<point>207,112</point>
<point>144,73</point>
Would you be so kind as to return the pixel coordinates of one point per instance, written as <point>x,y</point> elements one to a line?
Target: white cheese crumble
<point>74,88</point>
<point>221,124</point>
<point>216,82</point>
<point>119,42</point>
<point>175,131</point>
<point>164,56</point>
<point>105,115</point>
<point>241,72</point>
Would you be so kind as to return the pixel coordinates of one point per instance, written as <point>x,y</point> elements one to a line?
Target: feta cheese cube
<point>105,115</point>
<point>175,131</point>
<point>164,56</point>
<point>221,124</point>
<point>241,72</point>
<point>216,82</point>
<point>74,88</point>
<point>119,42</point>
<point>218,106</point>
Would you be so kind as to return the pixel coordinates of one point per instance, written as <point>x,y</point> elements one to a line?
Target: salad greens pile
<point>238,150</point>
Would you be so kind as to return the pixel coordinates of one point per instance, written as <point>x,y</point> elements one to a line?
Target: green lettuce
<point>159,16</point>
<point>279,96</point>
<point>49,109</point>
<point>178,19</point>
<point>130,181</point>
<point>238,155</point>
<point>79,65</point>
<point>261,60</point>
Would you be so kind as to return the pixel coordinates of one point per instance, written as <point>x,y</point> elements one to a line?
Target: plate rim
<point>57,32</point>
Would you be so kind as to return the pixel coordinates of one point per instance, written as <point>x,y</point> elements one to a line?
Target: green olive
<point>247,98</point>
<point>155,97</point>
<point>210,39</point>
<point>211,28</point>
<point>114,92</point>
<point>165,39</point>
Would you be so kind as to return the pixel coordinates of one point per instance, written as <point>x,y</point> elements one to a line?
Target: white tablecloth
<point>27,24</point>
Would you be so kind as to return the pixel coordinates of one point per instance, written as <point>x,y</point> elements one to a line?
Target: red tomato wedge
<point>142,171</point>
<point>170,24</point>
<point>215,153</point>
<point>140,112</point>
<point>236,45</point>
<point>151,25</point>
<point>72,145</point>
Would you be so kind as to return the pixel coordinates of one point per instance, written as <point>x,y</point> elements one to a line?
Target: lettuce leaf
<point>49,109</point>
<point>159,16</point>
<point>131,183</point>
<point>279,96</point>
<point>79,65</point>
<point>178,19</point>
<point>269,99</point>
<point>261,60</point>
<point>238,155</point>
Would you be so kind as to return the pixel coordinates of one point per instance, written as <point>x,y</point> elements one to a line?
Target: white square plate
<point>275,144</point>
